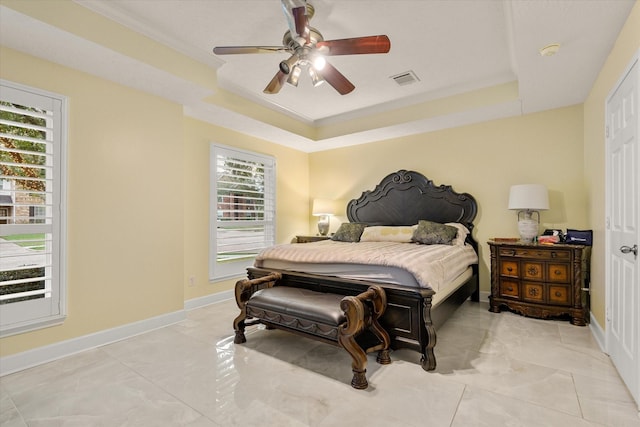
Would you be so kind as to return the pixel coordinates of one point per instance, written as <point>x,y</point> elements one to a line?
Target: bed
<point>414,309</point>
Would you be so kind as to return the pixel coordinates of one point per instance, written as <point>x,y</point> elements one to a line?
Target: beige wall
<point>483,159</point>
<point>625,48</point>
<point>125,216</point>
<point>138,201</point>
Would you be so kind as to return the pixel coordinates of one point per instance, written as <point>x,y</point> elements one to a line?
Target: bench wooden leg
<point>238,327</point>
<point>243,291</point>
<point>354,312</point>
<point>378,300</point>
<point>358,362</point>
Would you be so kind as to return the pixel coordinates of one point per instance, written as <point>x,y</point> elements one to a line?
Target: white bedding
<point>427,266</point>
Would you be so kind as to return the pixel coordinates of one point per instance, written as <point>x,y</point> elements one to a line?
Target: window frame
<point>23,316</point>
<point>229,269</point>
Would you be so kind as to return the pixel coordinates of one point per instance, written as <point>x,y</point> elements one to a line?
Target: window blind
<point>30,205</point>
<point>242,209</point>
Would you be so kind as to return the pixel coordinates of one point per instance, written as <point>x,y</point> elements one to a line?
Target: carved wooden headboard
<point>405,197</point>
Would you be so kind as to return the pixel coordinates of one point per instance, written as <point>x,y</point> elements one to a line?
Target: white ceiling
<point>454,47</point>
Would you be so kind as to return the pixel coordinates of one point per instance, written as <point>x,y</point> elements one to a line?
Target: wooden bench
<point>327,317</point>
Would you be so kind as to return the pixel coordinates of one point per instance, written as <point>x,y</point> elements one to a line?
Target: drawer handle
<point>510,289</point>
<point>558,293</point>
<point>509,269</point>
<point>533,271</point>
<point>557,272</point>
<point>554,255</point>
<point>533,292</point>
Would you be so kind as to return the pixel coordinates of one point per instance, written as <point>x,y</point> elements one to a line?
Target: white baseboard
<point>208,299</point>
<point>484,296</point>
<point>37,356</point>
<point>598,333</point>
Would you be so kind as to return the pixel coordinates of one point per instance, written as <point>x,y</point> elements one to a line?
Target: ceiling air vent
<point>406,78</point>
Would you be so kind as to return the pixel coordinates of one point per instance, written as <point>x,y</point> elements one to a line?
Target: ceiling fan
<point>308,49</point>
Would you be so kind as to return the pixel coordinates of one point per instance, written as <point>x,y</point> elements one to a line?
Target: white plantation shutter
<point>31,208</point>
<point>242,211</point>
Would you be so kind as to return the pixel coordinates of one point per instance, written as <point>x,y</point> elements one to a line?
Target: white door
<point>623,289</point>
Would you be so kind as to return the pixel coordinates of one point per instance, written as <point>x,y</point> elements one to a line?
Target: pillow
<point>462,233</point>
<point>433,233</point>
<point>400,234</point>
<point>349,232</point>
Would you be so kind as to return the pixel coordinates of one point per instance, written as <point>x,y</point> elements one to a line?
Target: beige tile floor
<point>493,370</point>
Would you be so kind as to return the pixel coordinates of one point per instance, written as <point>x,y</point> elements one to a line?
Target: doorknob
<point>627,249</point>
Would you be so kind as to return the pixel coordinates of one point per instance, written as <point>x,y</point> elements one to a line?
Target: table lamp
<point>528,199</point>
<point>324,209</point>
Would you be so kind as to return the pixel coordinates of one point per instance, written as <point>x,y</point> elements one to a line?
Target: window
<point>32,194</point>
<point>242,210</point>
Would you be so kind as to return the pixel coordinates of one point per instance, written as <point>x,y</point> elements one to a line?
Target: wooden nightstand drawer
<point>509,268</point>
<point>558,273</point>
<point>559,295</point>
<point>509,288</point>
<point>532,270</point>
<point>533,292</point>
<point>535,253</point>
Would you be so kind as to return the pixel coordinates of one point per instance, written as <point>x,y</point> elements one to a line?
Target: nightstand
<point>309,239</point>
<point>540,280</point>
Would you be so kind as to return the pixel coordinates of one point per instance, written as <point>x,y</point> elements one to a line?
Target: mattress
<point>407,264</point>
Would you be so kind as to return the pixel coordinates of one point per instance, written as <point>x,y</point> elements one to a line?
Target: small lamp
<point>324,209</point>
<point>528,199</point>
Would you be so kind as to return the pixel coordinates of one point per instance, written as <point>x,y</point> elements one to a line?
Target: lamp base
<point>528,229</point>
<point>323,225</point>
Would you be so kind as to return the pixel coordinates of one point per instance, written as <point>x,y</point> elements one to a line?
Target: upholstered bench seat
<point>315,313</point>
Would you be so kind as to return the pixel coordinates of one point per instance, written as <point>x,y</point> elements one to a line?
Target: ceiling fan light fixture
<point>286,66</point>
<point>316,78</point>
<point>308,49</point>
<point>294,75</point>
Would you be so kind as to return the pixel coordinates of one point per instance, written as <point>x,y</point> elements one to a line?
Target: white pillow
<point>462,233</point>
<point>386,233</point>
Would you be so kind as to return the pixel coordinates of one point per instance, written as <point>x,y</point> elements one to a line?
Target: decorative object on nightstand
<point>541,280</point>
<point>324,209</point>
<point>309,239</point>
<point>528,199</point>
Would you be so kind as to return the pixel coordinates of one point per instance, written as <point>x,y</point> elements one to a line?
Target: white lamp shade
<point>323,207</point>
<point>528,197</point>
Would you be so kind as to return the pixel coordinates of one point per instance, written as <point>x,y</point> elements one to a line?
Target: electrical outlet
<point>192,280</point>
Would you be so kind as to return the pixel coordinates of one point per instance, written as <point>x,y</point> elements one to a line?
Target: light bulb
<point>319,62</point>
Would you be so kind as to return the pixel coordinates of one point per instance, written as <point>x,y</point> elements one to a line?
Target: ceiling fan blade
<point>356,45</point>
<point>233,50</point>
<point>335,78</point>
<point>302,23</point>
<point>287,8</point>
<point>276,83</point>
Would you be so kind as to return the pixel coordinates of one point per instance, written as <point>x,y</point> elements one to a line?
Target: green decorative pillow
<point>433,233</point>
<point>349,232</point>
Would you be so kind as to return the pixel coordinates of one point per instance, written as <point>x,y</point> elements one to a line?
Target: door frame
<point>635,60</point>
